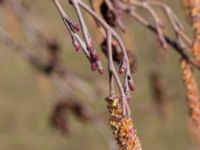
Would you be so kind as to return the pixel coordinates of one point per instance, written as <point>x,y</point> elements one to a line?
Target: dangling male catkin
<point>191,92</point>
<point>122,127</point>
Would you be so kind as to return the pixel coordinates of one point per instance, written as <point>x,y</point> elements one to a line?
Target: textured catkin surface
<point>192,9</point>
<point>122,127</point>
<point>192,92</point>
<point>27,98</point>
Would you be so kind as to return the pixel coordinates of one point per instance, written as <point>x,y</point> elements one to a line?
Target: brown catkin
<point>122,127</point>
<point>191,92</point>
<point>193,10</point>
<point>118,55</point>
<point>159,95</point>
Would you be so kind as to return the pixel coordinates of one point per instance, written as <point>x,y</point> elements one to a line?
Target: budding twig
<point>183,42</point>
<point>90,52</point>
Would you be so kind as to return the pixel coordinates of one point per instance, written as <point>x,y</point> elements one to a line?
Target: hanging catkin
<point>191,92</point>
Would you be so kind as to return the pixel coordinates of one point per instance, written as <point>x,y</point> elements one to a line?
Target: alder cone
<point>108,15</point>
<point>59,117</point>
<point>60,123</point>
<point>59,120</point>
<point>159,95</point>
<point>118,55</point>
<point>132,60</point>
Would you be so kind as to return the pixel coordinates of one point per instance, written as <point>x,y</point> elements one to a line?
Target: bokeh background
<point>27,97</point>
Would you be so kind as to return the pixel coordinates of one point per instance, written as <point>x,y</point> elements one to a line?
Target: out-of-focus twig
<point>23,17</point>
<point>56,75</point>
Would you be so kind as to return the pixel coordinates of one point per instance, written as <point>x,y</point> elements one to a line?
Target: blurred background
<point>28,97</point>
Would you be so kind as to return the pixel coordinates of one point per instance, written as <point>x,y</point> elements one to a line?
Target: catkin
<point>191,92</point>
<point>193,10</point>
<point>122,127</point>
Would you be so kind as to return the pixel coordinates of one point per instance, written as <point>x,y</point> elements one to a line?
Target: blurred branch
<point>56,77</point>
<point>133,5</point>
<point>52,46</point>
<point>22,15</point>
<point>53,69</point>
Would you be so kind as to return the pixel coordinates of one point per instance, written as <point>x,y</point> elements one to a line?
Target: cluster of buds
<point>86,44</point>
<point>112,14</point>
<point>108,14</point>
<point>192,92</point>
<point>122,126</point>
<point>193,11</point>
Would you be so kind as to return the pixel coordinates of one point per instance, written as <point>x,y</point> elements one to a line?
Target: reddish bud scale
<point>101,71</point>
<point>92,52</point>
<point>131,85</point>
<point>94,57</point>
<point>90,46</point>
<point>99,67</point>
<point>123,67</point>
<point>93,66</point>
<point>73,26</point>
<point>128,98</point>
<point>91,43</point>
<point>122,70</point>
<point>76,45</point>
<point>76,27</point>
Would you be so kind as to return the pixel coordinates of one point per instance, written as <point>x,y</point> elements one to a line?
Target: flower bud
<point>123,67</point>
<point>131,85</point>
<point>93,66</point>
<point>76,27</point>
<point>76,45</point>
